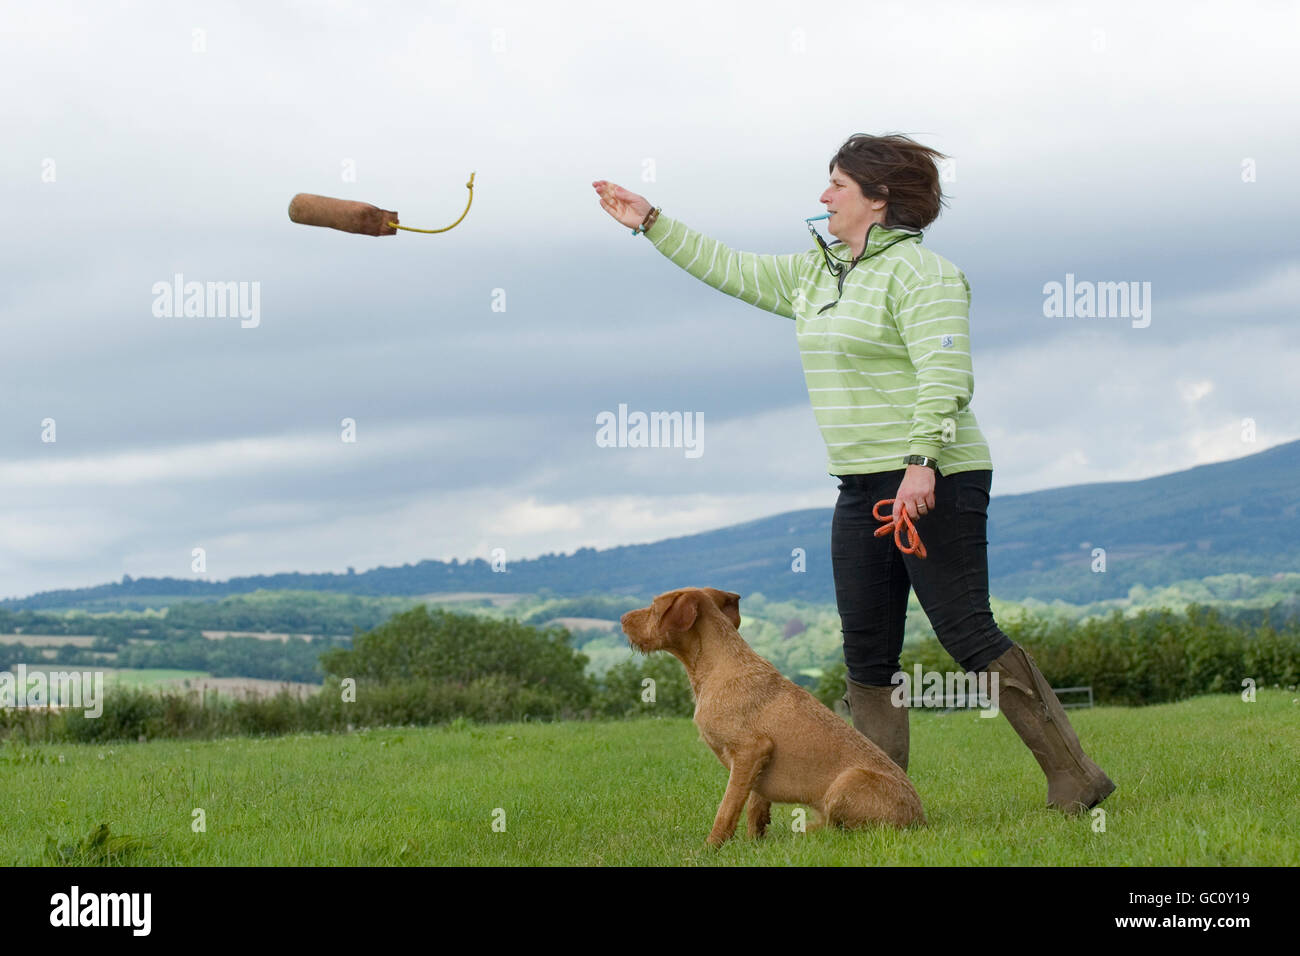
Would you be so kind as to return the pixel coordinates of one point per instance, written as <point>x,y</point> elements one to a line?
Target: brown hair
<point>896,168</point>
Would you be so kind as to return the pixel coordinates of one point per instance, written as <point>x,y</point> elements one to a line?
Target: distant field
<point>585,623</point>
<point>48,640</point>
<point>183,680</point>
<point>606,652</point>
<point>238,686</point>
<point>1211,781</point>
<point>202,680</point>
<point>123,676</point>
<point>140,603</point>
<point>260,635</point>
<point>498,600</point>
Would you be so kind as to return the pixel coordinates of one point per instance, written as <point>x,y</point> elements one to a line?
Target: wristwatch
<point>922,460</point>
<point>648,221</point>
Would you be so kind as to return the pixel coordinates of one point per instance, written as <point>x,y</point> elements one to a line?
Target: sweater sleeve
<point>933,320</point>
<point>769,282</point>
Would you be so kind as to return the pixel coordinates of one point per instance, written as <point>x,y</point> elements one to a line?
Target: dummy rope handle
<point>470,186</point>
<point>347,215</point>
<point>897,526</point>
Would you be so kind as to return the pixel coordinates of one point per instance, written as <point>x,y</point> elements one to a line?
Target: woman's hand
<point>626,207</point>
<point>916,493</point>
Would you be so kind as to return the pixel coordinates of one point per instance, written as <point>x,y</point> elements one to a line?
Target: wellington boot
<point>1074,782</point>
<point>876,718</point>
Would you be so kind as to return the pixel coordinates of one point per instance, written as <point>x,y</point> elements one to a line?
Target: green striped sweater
<point>888,364</point>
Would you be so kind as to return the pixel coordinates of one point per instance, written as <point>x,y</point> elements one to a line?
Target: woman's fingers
<point>620,203</point>
<point>911,507</point>
<point>613,199</point>
<point>607,191</point>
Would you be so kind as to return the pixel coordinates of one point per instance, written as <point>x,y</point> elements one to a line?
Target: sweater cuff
<point>659,228</point>
<point>921,448</point>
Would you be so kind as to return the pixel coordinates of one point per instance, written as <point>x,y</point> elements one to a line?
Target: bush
<point>439,647</point>
<point>623,688</point>
<point>424,668</point>
<point>1154,657</point>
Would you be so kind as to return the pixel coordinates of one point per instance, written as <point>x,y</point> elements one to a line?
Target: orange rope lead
<point>897,527</point>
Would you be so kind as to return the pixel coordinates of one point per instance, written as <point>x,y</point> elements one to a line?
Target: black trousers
<point>872,576</point>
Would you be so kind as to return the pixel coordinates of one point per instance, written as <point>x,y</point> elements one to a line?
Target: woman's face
<point>851,212</point>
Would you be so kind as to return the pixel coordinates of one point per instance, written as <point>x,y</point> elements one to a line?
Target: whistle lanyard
<point>838,268</point>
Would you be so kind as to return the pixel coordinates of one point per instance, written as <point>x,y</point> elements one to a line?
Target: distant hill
<point>1234,516</point>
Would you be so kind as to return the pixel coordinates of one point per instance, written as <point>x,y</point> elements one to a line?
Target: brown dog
<point>779,742</point>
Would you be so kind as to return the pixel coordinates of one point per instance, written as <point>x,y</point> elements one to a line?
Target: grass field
<point>143,678</point>
<point>127,677</point>
<point>1203,782</point>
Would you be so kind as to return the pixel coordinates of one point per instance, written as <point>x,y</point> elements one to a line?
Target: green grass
<point>127,677</point>
<point>145,677</point>
<point>1203,782</point>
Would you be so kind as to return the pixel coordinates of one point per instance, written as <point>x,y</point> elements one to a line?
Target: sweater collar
<point>878,237</point>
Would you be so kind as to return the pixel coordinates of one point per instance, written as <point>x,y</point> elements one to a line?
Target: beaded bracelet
<point>648,221</point>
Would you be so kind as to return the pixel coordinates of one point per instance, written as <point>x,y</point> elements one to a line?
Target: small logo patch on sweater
<point>946,341</point>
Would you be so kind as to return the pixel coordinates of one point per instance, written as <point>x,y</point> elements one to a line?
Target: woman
<point>883,332</point>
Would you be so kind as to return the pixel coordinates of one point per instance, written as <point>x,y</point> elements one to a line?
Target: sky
<point>1110,142</point>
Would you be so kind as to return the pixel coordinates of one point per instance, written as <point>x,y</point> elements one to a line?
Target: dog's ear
<point>681,614</point>
<point>728,603</point>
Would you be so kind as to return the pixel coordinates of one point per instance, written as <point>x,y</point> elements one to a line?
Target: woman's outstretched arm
<point>769,282</point>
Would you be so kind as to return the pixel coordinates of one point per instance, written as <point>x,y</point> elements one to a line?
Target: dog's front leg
<point>746,764</point>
